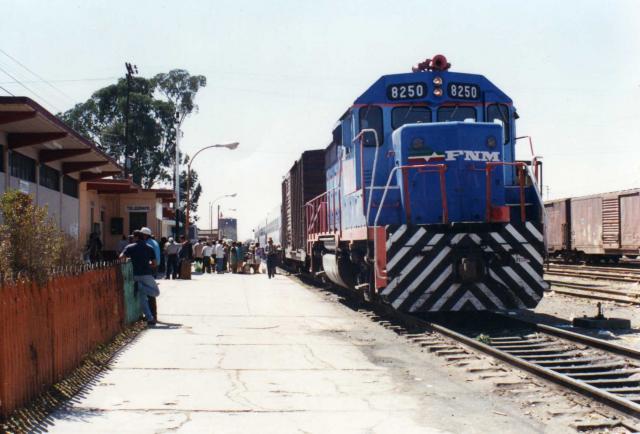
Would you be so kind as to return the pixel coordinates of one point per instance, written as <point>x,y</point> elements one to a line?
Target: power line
<point>29,90</point>
<point>6,91</point>
<point>67,80</point>
<point>36,75</point>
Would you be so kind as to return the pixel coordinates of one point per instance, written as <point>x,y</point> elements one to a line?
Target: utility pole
<point>131,71</point>
<point>177,175</point>
<point>218,224</point>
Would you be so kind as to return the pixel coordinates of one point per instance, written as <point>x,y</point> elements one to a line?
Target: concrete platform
<point>244,354</point>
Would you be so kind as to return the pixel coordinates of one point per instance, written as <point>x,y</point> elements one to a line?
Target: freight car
<point>596,228</point>
<point>304,181</point>
<point>423,204</point>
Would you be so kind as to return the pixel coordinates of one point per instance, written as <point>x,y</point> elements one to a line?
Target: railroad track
<point>600,370</point>
<point>619,274</point>
<point>595,291</point>
<point>599,279</point>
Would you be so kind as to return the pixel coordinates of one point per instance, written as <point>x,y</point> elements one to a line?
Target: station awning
<point>28,124</point>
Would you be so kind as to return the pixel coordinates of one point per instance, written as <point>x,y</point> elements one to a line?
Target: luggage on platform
<point>185,270</point>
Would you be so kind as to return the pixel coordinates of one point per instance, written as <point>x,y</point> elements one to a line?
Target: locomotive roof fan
<point>438,63</point>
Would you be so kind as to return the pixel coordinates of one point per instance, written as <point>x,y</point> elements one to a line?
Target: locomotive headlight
<point>491,142</point>
<point>437,81</point>
<point>437,91</point>
<point>417,143</point>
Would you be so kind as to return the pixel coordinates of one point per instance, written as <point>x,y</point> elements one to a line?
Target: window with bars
<point>49,177</point>
<point>22,167</point>
<point>69,186</point>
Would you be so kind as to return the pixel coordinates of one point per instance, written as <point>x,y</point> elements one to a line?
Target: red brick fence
<point>46,330</point>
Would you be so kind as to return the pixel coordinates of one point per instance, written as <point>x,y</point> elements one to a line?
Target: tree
<point>153,106</point>
<point>27,229</point>
<point>180,88</point>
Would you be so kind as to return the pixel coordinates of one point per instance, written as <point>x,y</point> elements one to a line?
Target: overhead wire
<point>29,89</point>
<point>35,74</point>
<point>6,91</point>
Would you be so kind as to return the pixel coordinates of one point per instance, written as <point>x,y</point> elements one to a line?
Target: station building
<point>42,156</point>
<point>114,208</point>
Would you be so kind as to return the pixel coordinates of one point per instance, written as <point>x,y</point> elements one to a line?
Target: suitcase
<point>185,270</point>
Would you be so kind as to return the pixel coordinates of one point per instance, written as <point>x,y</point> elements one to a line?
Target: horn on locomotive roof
<point>438,63</point>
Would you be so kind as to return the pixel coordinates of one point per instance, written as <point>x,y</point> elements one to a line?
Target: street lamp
<point>231,147</point>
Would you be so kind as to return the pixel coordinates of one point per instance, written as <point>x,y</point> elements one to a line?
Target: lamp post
<point>230,146</point>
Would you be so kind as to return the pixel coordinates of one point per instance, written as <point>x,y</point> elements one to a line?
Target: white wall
<point>50,199</point>
<point>70,215</point>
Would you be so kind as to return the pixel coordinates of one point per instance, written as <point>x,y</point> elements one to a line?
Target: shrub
<point>31,243</point>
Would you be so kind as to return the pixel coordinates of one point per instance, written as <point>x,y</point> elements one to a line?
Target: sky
<point>280,73</point>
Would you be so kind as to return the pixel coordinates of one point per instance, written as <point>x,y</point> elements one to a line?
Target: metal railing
<point>320,219</point>
<point>423,168</point>
<point>521,181</point>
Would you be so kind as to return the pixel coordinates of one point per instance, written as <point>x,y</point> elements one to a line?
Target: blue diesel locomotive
<point>426,207</point>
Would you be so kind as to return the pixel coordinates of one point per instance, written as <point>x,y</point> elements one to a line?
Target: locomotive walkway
<point>237,353</point>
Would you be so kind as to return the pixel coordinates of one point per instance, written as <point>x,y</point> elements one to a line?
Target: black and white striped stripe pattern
<point>421,260</point>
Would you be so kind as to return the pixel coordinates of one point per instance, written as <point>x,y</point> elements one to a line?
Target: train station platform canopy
<point>29,125</point>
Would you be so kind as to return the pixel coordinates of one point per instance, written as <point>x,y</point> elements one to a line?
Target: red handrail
<point>488,168</point>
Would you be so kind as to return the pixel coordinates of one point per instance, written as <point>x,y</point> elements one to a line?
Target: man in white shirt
<point>219,256</point>
<point>207,252</point>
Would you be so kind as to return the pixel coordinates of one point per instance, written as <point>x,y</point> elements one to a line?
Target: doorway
<point>137,220</point>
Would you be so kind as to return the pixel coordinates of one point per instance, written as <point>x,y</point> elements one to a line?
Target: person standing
<point>240,251</point>
<point>233,258</point>
<point>272,256</point>
<point>207,254</point>
<point>185,256</point>
<point>197,251</point>
<point>171,251</point>
<point>143,260</point>
<point>225,259</point>
<point>258,257</point>
<point>219,257</point>
<point>148,238</point>
<point>93,249</point>
<point>163,257</point>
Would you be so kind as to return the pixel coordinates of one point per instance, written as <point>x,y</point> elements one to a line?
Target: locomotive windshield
<point>371,117</point>
<point>499,113</point>
<point>410,115</point>
<point>457,113</point>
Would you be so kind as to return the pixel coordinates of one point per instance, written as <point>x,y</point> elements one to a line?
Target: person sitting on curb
<point>143,260</point>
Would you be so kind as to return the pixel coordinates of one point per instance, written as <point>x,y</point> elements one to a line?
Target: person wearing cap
<point>146,232</point>
<point>272,257</point>
<point>143,260</point>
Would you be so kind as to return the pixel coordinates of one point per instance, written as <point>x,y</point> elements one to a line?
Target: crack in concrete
<point>314,356</point>
<point>186,420</point>
<point>237,388</point>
